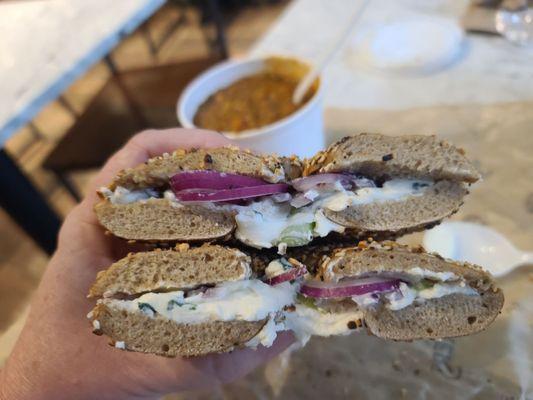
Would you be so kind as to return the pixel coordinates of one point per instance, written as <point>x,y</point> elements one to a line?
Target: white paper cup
<point>301,133</point>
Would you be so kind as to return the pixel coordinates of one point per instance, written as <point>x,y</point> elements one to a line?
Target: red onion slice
<point>348,181</point>
<point>203,195</point>
<point>309,182</point>
<point>300,200</point>
<point>361,182</point>
<point>348,287</point>
<point>211,180</point>
<point>289,275</point>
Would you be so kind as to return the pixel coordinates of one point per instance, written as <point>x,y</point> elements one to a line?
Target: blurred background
<point>81,77</point>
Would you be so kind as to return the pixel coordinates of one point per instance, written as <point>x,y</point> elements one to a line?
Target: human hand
<point>58,357</point>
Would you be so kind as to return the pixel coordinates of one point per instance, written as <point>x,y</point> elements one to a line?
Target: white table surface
<point>46,45</point>
<point>491,70</point>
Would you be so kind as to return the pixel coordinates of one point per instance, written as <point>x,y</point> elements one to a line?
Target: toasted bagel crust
<point>411,214</point>
<point>181,268</point>
<point>444,317</point>
<point>375,155</point>
<point>158,220</point>
<point>389,256</point>
<point>162,336</point>
<point>157,171</point>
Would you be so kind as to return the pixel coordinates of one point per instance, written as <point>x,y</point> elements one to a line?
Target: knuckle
<point>141,136</point>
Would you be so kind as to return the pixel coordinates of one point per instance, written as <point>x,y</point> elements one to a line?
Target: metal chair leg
<point>218,19</point>
<point>149,40</point>
<point>35,131</point>
<point>26,205</point>
<point>155,46</point>
<point>132,104</point>
<point>69,186</point>
<point>111,64</point>
<point>67,106</point>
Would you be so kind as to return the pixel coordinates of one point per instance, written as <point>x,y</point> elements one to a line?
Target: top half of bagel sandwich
<point>362,185</point>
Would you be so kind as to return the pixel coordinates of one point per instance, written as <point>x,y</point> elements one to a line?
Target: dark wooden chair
<point>128,103</point>
<point>134,100</point>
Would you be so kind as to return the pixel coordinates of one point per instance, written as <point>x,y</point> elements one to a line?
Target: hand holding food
<point>200,299</point>
<point>364,185</point>
<point>57,357</point>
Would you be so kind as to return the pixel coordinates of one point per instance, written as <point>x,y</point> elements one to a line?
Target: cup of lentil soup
<point>250,101</point>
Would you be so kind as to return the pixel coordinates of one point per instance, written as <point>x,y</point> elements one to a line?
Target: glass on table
<point>514,21</point>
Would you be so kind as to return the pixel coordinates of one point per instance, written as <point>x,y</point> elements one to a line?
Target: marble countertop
<point>490,70</point>
<point>46,45</point>
<point>482,103</point>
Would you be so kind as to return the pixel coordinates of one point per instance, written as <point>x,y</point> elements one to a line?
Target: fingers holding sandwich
<point>210,371</point>
<point>228,367</point>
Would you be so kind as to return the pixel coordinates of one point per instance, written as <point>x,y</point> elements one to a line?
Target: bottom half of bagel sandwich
<point>211,299</point>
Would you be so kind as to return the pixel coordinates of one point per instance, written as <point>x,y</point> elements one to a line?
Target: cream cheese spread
<point>253,300</point>
<point>323,225</point>
<point>407,295</point>
<point>274,268</point>
<point>440,276</point>
<point>121,195</point>
<point>270,221</point>
<point>444,283</point>
<point>267,334</point>
<point>120,345</point>
<point>306,322</point>
<point>392,190</point>
<point>444,289</point>
<point>262,223</point>
<point>247,300</point>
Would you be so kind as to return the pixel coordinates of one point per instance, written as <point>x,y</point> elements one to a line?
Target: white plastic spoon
<point>306,82</point>
<point>477,244</point>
